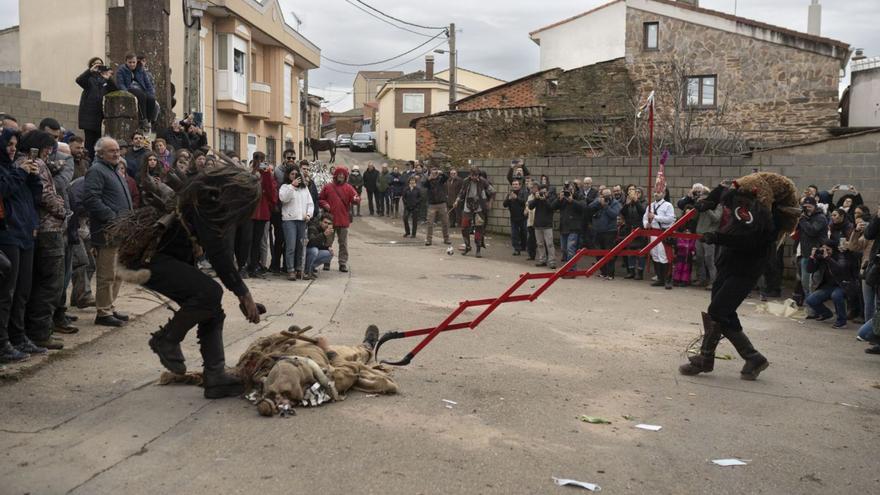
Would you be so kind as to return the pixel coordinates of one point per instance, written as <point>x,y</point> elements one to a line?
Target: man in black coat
<point>516,207</point>
<point>436,189</point>
<point>106,197</point>
<point>95,82</point>
<point>371,184</point>
<point>176,137</point>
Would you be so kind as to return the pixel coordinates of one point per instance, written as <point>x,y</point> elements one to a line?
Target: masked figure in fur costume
<point>200,219</point>
<point>759,210</point>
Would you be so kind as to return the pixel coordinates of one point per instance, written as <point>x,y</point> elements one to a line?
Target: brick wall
<point>27,106</point>
<point>525,92</point>
<point>455,137</point>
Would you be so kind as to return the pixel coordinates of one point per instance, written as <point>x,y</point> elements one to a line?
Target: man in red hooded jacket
<point>337,197</point>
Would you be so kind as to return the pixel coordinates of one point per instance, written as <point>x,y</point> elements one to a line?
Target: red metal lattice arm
<point>566,270</point>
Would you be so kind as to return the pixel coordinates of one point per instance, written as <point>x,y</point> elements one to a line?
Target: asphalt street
<point>93,420</point>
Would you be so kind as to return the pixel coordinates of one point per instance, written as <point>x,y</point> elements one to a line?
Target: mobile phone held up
<point>34,153</point>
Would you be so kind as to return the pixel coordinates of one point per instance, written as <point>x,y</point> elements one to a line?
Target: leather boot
<point>755,362</point>
<point>218,383</point>
<point>660,270</point>
<point>630,273</point>
<point>704,362</point>
<point>640,274</point>
<point>166,345</point>
<point>467,245</point>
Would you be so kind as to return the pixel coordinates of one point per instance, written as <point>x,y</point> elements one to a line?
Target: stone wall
<point>591,111</point>
<point>524,92</point>
<point>455,137</point>
<point>28,106</point>
<point>766,93</point>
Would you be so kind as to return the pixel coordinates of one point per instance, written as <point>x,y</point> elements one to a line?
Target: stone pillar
<point>142,27</point>
<point>120,115</point>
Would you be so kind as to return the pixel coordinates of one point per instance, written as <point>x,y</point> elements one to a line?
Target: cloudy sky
<point>493,34</point>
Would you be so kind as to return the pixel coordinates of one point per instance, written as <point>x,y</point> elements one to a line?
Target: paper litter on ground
<point>729,462</point>
<point>450,402</point>
<point>649,427</point>
<point>589,486</point>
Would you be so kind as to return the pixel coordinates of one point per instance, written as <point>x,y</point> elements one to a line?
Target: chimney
<point>429,67</point>
<point>859,55</point>
<point>814,20</point>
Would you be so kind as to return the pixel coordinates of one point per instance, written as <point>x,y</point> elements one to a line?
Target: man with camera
<point>436,189</point>
<point>812,229</point>
<point>542,206</point>
<point>571,214</point>
<point>516,206</point>
<point>835,278</point>
<point>604,211</point>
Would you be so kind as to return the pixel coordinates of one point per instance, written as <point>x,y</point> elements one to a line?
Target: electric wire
<point>349,64</point>
<point>395,18</point>
<point>386,21</point>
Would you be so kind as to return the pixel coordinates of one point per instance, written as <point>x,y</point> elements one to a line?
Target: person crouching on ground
<point>836,279</point>
<point>320,247</point>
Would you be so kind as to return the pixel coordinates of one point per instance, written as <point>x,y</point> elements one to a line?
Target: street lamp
<point>453,68</point>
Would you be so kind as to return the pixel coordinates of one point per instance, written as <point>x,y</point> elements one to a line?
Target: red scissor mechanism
<point>449,324</point>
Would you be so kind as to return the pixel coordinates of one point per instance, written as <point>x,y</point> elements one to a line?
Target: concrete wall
<point>864,99</point>
<point>586,40</point>
<point>850,160</point>
<point>27,106</point>
<point>58,37</point>
<point>10,50</point>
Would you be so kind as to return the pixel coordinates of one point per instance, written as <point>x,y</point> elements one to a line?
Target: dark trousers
<point>371,197</point>
<point>83,271</point>
<point>15,289</point>
<point>773,274</point>
<point>199,298</point>
<point>607,240</point>
<point>395,205</point>
<point>532,243</point>
<point>386,202</point>
<point>410,215</point>
<point>259,230</point>
<point>423,207</point>
<point>91,137</point>
<point>518,234</point>
<point>380,203</point>
<point>146,104</point>
<point>730,289</point>
<point>61,305</point>
<point>278,240</point>
<point>588,238</point>
<point>242,244</point>
<point>48,281</point>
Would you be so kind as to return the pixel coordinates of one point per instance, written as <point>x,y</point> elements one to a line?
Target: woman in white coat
<point>296,208</point>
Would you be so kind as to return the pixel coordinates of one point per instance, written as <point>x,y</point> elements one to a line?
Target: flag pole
<point>650,198</point>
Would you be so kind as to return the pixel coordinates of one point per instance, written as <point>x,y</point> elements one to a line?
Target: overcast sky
<point>493,34</point>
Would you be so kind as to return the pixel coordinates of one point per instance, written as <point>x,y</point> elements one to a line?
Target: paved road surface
<point>94,422</point>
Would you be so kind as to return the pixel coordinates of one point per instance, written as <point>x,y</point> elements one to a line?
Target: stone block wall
<point>28,106</point>
<point>767,93</point>
<point>459,136</point>
<point>591,111</point>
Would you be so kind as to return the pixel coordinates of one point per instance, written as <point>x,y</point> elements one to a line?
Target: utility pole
<point>308,123</point>
<point>192,69</point>
<point>453,67</point>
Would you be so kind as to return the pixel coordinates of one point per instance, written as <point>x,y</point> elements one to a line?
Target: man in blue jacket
<point>605,210</point>
<point>133,78</point>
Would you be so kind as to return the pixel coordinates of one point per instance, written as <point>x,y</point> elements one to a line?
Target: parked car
<point>362,141</point>
<point>343,141</point>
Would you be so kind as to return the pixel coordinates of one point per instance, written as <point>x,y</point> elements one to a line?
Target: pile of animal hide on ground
<point>289,369</point>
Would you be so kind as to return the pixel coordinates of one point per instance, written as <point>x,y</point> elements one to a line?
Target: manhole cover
<point>463,276</point>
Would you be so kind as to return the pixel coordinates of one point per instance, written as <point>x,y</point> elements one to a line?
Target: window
<point>228,141</point>
<point>231,54</point>
<point>652,36</point>
<point>552,86</point>
<point>413,103</point>
<point>271,152</point>
<point>701,91</point>
<point>223,52</point>
<point>238,62</point>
